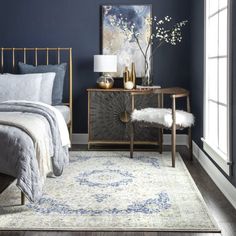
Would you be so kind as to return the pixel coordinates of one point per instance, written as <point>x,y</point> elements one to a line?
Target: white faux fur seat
<point>163,117</point>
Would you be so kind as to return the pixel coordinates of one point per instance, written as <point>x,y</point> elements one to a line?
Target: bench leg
<point>160,140</point>
<point>131,139</point>
<point>173,144</point>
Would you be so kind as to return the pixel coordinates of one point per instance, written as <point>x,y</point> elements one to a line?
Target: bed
<point>35,117</point>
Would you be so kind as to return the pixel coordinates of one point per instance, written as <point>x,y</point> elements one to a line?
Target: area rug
<point>110,191</point>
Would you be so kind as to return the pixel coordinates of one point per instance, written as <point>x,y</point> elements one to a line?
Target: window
<point>216,101</point>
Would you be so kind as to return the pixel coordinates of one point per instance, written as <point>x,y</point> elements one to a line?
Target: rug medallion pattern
<point>108,190</point>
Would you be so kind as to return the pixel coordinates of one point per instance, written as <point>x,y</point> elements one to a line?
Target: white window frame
<point>219,158</point>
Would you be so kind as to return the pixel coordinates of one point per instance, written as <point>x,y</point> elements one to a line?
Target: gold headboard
<point>11,55</point>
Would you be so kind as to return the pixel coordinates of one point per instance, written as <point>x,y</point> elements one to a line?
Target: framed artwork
<point>115,40</point>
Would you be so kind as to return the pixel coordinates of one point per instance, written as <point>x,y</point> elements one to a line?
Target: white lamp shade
<point>105,63</point>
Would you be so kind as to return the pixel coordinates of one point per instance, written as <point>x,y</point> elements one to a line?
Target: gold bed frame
<point>12,53</point>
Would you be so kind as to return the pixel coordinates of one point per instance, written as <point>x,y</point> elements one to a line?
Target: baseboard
<point>219,179</point>
<point>181,139</point>
<point>79,138</point>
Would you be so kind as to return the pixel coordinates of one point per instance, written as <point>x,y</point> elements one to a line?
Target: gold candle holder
<point>133,74</point>
<point>129,77</point>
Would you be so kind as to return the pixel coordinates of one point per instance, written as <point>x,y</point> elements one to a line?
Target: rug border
<point>198,191</point>
<point>136,229</point>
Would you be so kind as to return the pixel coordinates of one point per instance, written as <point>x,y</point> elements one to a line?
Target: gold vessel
<point>133,74</point>
<point>105,85</point>
<point>129,77</point>
<point>105,82</point>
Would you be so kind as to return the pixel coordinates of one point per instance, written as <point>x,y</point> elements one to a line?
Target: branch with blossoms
<point>160,32</point>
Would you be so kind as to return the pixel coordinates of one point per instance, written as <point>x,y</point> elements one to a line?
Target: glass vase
<point>147,77</point>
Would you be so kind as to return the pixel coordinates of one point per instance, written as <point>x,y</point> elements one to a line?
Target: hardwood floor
<point>220,208</point>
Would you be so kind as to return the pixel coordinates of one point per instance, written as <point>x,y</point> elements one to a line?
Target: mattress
<point>65,111</point>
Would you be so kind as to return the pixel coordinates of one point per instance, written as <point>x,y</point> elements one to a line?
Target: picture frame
<point>114,41</point>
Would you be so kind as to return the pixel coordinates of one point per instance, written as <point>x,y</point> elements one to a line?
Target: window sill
<point>216,156</point>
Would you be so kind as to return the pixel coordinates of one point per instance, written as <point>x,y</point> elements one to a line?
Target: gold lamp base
<point>105,81</point>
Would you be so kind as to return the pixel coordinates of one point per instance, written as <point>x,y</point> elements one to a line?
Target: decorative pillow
<point>46,85</point>
<point>13,88</point>
<point>58,85</point>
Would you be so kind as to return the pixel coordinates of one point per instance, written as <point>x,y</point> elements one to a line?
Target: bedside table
<point>109,117</point>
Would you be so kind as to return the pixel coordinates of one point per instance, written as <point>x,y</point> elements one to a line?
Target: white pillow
<point>13,88</point>
<point>47,81</point>
<point>46,87</point>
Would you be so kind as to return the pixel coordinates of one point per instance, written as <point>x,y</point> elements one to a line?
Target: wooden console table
<point>109,117</point>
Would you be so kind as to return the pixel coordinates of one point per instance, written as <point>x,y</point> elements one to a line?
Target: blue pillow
<point>60,70</point>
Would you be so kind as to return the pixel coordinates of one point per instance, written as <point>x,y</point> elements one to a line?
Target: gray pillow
<point>58,84</point>
<point>14,88</point>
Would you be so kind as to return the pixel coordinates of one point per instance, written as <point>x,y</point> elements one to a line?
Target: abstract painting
<point>116,41</point>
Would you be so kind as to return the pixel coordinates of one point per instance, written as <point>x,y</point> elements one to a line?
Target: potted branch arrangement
<point>161,32</point>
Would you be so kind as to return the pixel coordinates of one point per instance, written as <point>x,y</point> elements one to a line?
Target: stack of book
<point>147,87</point>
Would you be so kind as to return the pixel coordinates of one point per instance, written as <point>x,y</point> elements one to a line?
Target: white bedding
<point>65,111</point>
<point>38,129</point>
<point>65,138</point>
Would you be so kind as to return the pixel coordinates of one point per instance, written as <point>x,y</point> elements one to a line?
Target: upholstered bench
<point>164,118</point>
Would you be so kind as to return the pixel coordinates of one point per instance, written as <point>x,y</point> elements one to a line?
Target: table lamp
<point>105,64</point>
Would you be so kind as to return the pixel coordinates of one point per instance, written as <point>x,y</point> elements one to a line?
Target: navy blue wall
<point>76,24</point>
<point>197,74</point>
<point>197,68</point>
